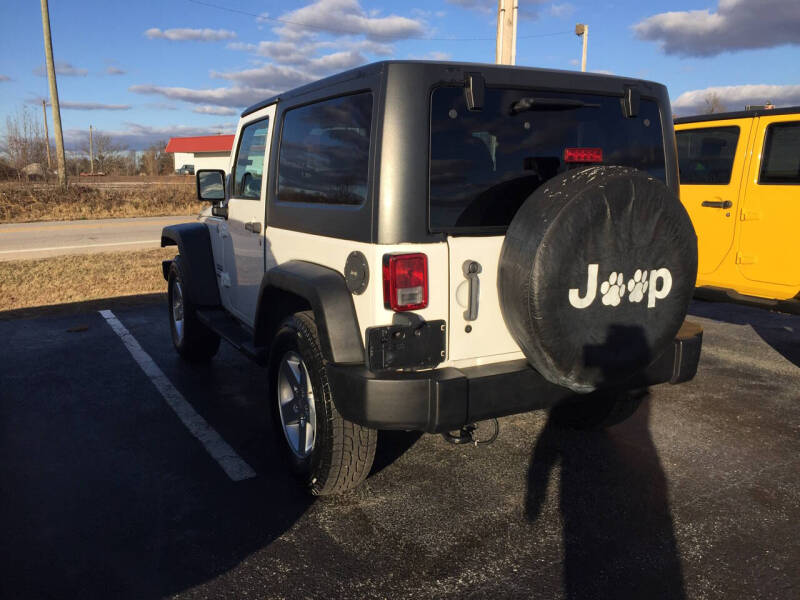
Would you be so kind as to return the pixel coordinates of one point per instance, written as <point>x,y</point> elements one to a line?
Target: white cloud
<point>190,35</point>
<point>61,68</point>
<point>325,37</point>
<point>736,25</point>
<point>112,70</point>
<point>735,97</point>
<point>275,76</point>
<point>479,5</point>
<point>347,17</point>
<point>561,10</point>
<point>238,96</point>
<point>207,109</point>
<point>92,106</point>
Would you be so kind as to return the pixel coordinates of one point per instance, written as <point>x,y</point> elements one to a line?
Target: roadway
<point>128,473</point>
<point>53,238</point>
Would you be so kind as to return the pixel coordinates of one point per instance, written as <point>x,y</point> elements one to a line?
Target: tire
<point>193,341</point>
<point>596,274</point>
<point>598,411</point>
<point>339,455</point>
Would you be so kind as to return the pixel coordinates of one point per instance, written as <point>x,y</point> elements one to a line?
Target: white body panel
<point>488,340</point>
<point>284,245</point>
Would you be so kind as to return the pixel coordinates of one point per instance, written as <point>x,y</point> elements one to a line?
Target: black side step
<point>228,328</point>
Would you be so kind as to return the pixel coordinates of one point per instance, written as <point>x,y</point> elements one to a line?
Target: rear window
<point>781,162</point>
<point>705,156</point>
<point>484,164</point>
<point>324,155</point>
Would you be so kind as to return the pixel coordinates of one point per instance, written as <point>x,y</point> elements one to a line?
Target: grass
<point>81,277</point>
<point>21,202</point>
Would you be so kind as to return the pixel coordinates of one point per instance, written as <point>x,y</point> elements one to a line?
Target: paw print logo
<point>637,286</point>
<point>613,290</point>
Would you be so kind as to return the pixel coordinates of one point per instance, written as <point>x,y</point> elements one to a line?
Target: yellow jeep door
<point>770,244</point>
<point>712,156</point>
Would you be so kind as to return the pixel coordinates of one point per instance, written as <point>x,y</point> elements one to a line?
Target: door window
<point>705,156</point>
<point>781,162</point>
<point>249,165</point>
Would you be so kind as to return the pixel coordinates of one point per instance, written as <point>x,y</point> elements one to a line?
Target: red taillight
<point>405,281</point>
<point>583,155</point>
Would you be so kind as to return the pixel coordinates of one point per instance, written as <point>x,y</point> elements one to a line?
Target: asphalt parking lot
<point>104,492</point>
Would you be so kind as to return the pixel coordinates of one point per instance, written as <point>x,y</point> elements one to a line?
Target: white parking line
<point>18,250</point>
<point>233,464</point>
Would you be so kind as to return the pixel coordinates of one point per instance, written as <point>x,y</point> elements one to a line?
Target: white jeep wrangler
<point>422,246</point>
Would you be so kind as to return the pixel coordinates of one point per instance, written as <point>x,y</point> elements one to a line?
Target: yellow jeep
<point>740,183</point>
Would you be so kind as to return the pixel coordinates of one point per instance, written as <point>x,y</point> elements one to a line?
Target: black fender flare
<point>325,291</point>
<point>197,260</point>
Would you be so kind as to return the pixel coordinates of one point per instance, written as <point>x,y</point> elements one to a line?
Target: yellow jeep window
<point>705,156</point>
<point>781,163</point>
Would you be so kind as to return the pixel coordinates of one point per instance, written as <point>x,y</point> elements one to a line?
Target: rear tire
<point>598,411</point>
<point>193,341</point>
<point>328,453</point>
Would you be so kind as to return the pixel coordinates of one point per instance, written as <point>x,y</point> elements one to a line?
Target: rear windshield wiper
<point>527,104</point>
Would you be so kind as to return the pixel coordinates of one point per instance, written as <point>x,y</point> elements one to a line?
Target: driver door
<point>246,224</point>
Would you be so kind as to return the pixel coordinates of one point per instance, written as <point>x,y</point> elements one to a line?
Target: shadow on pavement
<point>619,540</point>
<point>87,306</point>
<point>780,330</point>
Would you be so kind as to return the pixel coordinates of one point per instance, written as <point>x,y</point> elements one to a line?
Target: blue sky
<point>148,70</point>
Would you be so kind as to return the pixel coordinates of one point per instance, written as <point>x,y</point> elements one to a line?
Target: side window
<point>324,154</point>
<point>705,156</point>
<point>249,165</point>
<point>781,160</point>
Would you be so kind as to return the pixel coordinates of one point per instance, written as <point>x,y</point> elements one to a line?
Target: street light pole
<point>51,77</point>
<point>582,30</point>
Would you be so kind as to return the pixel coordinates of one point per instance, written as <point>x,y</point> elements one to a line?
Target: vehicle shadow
<point>780,330</point>
<point>391,446</point>
<point>618,534</point>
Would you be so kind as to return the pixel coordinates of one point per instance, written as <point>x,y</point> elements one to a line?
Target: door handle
<point>717,203</point>
<point>253,226</point>
<point>471,270</point>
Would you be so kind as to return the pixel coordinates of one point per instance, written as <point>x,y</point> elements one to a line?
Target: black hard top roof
<point>742,114</point>
<point>376,67</point>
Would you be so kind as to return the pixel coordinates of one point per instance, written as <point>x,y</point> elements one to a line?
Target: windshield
<point>485,163</point>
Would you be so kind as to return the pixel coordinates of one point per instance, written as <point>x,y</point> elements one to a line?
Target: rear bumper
<point>445,399</point>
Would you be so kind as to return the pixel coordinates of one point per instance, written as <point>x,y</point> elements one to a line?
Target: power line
<point>354,32</point>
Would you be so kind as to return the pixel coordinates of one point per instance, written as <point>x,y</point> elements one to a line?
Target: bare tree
<point>713,104</point>
<point>24,141</point>
<point>107,153</point>
<point>155,160</point>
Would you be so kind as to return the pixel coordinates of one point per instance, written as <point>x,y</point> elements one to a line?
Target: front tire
<point>193,341</point>
<point>328,453</point>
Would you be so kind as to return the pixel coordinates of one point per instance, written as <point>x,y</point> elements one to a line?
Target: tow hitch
<point>480,433</point>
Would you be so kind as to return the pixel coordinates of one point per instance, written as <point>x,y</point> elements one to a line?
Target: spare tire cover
<point>596,273</point>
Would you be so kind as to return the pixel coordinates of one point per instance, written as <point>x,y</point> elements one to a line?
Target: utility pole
<point>47,136</point>
<point>51,78</point>
<point>506,50</point>
<point>91,151</point>
<point>583,30</point>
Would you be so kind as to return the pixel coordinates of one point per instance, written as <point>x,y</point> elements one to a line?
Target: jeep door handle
<point>717,203</point>
<point>471,270</point>
<point>253,226</point>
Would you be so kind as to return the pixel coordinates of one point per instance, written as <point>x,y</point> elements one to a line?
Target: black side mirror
<point>211,185</point>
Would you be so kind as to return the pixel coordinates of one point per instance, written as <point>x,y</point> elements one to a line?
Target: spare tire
<point>596,273</point>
